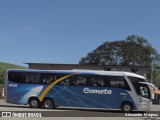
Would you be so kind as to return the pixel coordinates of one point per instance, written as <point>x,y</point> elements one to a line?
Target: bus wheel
<point>126,107</point>
<point>34,103</point>
<point>48,103</point>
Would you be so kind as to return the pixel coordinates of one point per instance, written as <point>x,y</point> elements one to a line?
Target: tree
<point>156,80</point>
<point>156,73</point>
<point>135,51</point>
<point>2,76</point>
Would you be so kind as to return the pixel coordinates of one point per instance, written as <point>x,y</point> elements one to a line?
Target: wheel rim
<point>34,103</point>
<point>48,104</point>
<point>127,108</point>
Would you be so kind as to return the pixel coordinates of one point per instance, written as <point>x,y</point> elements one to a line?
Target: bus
<point>78,88</point>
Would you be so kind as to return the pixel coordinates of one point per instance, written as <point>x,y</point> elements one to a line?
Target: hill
<point>10,66</point>
<point>4,67</point>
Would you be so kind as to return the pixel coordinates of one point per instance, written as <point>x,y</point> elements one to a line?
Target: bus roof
<point>97,72</point>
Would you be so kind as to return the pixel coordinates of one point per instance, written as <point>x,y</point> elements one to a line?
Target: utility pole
<point>152,68</point>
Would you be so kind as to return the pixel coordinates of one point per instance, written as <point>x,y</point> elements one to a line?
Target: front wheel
<point>126,107</point>
<point>48,103</point>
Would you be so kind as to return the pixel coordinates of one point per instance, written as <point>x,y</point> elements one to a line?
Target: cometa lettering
<point>96,91</point>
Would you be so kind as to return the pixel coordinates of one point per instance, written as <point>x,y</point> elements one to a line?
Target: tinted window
<point>18,77</point>
<point>143,90</point>
<point>134,81</point>
<point>76,80</point>
<point>117,82</point>
<point>47,78</point>
<point>96,80</point>
<point>32,78</point>
<point>83,80</point>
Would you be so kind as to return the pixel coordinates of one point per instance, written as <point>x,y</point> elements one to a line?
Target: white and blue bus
<point>78,88</point>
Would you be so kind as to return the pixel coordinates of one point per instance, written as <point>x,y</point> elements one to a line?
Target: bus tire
<point>48,103</point>
<point>34,102</point>
<point>126,107</point>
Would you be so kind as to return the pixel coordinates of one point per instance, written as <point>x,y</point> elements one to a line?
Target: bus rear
<point>22,84</point>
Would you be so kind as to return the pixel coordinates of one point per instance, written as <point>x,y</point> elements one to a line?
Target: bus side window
<point>97,81</point>
<point>47,78</point>
<point>17,77</point>
<point>113,81</point>
<point>80,80</point>
<point>65,82</point>
<point>88,80</point>
<point>107,82</point>
<point>119,82</point>
<point>73,81</point>
<point>94,83</point>
<point>33,78</point>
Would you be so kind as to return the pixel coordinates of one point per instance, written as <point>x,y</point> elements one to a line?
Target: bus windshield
<point>141,89</point>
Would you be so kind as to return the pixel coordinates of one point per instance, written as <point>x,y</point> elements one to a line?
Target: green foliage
<point>135,50</point>
<point>156,80</point>
<point>4,67</point>
<point>156,73</point>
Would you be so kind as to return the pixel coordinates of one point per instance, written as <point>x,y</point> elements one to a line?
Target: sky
<point>64,31</point>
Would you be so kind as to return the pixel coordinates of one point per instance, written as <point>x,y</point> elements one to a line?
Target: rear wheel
<point>34,103</point>
<point>126,107</point>
<point>48,103</point>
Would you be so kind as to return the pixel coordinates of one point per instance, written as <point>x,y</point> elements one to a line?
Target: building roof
<point>80,64</point>
<point>157,91</point>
